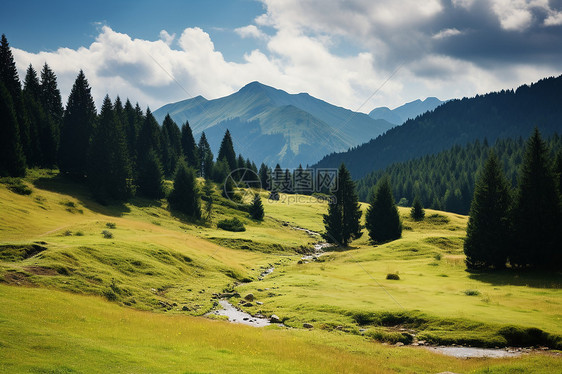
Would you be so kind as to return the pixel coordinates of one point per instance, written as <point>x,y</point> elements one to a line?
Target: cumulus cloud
<point>339,51</point>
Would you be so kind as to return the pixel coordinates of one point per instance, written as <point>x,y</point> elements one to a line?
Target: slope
<point>407,111</point>
<point>495,115</point>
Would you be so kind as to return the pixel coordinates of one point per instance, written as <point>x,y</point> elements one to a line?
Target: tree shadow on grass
<point>79,191</point>
<point>509,277</point>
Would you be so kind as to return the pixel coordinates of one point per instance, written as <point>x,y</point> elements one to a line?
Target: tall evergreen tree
<point>37,119</point>
<point>256,209</point>
<point>342,223</point>
<point>264,174</point>
<point>226,151</point>
<point>185,195</point>
<point>12,159</point>
<point>109,171</point>
<point>171,147</point>
<point>537,212</point>
<point>78,124</point>
<point>189,147</point>
<point>150,176</point>
<point>558,170</point>
<point>149,137</point>
<point>488,232</point>
<point>382,219</point>
<point>417,212</point>
<point>131,125</point>
<point>52,105</point>
<point>209,200</point>
<point>205,157</point>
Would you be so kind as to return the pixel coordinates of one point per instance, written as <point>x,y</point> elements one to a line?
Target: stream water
<point>471,352</point>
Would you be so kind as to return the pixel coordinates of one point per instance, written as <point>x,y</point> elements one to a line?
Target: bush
<point>472,292</point>
<point>16,186</point>
<point>111,225</point>
<point>107,234</point>
<point>390,337</point>
<point>233,224</point>
<point>392,276</point>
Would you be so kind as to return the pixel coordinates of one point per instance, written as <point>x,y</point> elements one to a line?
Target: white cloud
<point>250,31</point>
<point>446,33</point>
<point>166,37</point>
<point>554,19</point>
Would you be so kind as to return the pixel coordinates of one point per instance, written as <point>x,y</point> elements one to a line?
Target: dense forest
<point>499,115</point>
<point>445,181</point>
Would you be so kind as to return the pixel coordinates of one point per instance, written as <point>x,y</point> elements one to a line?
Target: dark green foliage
<point>16,185</point>
<point>495,115</point>
<point>205,157</point>
<point>537,212</point>
<point>189,147</point>
<point>150,176</point>
<point>220,172</point>
<point>392,276</point>
<point>171,146</point>
<point>233,224</point>
<point>226,151</point>
<point>382,219</point>
<point>109,171</point>
<point>558,170</point>
<point>445,181</point>
<point>78,124</point>
<point>344,213</point>
<point>149,137</point>
<point>133,118</point>
<point>208,199</point>
<point>264,174</point>
<point>184,197</point>
<point>228,190</point>
<point>487,243</point>
<point>51,102</point>
<point>417,212</point>
<point>12,159</point>
<point>256,209</point>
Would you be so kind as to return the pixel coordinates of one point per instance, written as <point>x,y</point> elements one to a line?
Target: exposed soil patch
<point>40,270</point>
<point>19,252</point>
<point>18,279</point>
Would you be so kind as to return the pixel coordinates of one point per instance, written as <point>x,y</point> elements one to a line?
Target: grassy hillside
<point>76,301</point>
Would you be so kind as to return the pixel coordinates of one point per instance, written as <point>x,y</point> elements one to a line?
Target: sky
<point>359,54</point>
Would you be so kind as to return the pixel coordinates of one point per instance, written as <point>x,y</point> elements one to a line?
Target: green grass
<point>159,263</point>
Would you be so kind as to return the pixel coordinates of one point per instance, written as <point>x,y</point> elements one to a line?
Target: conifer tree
<point>488,232</point>
<point>264,174</point>
<point>171,147</point>
<point>558,170</point>
<point>52,105</point>
<point>189,147</point>
<point>12,159</point>
<point>185,195</point>
<point>256,209</point>
<point>149,137</point>
<point>342,223</point>
<point>150,176</point>
<point>537,212</point>
<point>382,219</point>
<point>78,124</point>
<point>109,171</point>
<point>133,118</point>
<point>226,151</point>
<point>37,119</point>
<point>417,212</point>
<point>205,157</point>
<point>209,200</point>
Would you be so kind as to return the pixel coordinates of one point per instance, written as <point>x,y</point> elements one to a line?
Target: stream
<point>471,352</point>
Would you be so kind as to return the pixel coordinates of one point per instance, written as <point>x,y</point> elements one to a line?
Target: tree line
<point>445,181</point>
<point>517,227</point>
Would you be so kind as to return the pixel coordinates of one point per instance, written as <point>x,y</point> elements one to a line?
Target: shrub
<point>392,276</point>
<point>111,225</point>
<point>16,186</point>
<point>67,233</point>
<point>472,292</point>
<point>79,233</point>
<point>390,337</point>
<point>233,224</point>
<point>107,234</point>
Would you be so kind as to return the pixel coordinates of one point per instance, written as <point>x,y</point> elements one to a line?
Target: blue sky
<point>342,51</point>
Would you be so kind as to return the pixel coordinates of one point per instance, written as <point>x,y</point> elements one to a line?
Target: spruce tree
<point>264,174</point>
<point>184,197</point>
<point>37,119</point>
<point>342,223</point>
<point>52,105</point>
<point>149,137</point>
<point>189,147</point>
<point>558,170</point>
<point>131,125</point>
<point>209,200</point>
<point>256,209</point>
<point>171,145</point>
<point>487,235</point>
<point>12,159</point>
<point>150,176</point>
<point>78,124</point>
<point>382,218</point>
<point>205,157</point>
<point>109,171</point>
<point>417,212</point>
<point>226,151</point>
<point>537,212</point>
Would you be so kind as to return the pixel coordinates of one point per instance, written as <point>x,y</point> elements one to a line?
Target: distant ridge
<point>492,116</point>
<point>272,126</point>
<point>407,111</point>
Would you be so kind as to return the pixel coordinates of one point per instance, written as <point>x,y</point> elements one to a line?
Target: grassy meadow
<point>92,288</point>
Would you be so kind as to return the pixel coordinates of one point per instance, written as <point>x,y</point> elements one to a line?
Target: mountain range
<point>405,112</point>
<point>496,115</point>
<point>272,126</point>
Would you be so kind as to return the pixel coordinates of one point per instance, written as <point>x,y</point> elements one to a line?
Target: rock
<point>274,319</point>
<point>249,297</point>
<point>307,325</point>
<point>185,308</point>
<point>399,344</point>
<point>300,262</point>
<point>422,342</point>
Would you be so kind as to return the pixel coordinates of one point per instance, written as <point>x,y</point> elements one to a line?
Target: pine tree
<point>488,232</point>
<point>189,147</point>
<point>417,212</point>
<point>226,151</point>
<point>12,159</point>
<point>205,157</point>
<point>184,197</point>
<point>52,105</point>
<point>537,212</point>
<point>36,116</point>
<point>264,174</point>
<point>342,223</point>
<point>172,149</point>
<point>150,176</point>
<point>131,125</point>
<point>208,198</point>
<point>149,137</point>
<point>382,218</point>
<point>78,124</point>
<point>109,171</point>
<point>558,170</point>
<point>256,209</point>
